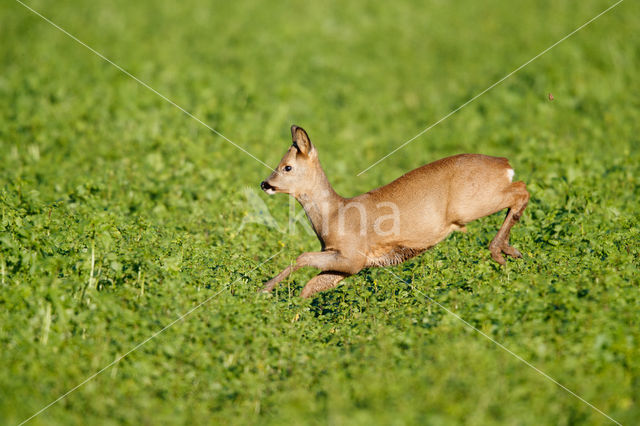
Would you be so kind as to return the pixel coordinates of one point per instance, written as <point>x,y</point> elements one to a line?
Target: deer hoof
<point>495,255</point>
<point>268,287</point>
<point>511,251</point>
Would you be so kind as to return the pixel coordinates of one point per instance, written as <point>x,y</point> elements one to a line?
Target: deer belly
<point>391,256</point>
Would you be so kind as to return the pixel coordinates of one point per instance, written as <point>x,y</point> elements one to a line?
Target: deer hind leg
<point>323,281</point>
<point>518,197</point>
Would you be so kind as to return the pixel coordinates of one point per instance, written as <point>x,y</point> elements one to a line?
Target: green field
<point>95,166</point>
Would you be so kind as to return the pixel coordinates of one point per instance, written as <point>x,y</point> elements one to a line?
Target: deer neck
<point>319,202</point>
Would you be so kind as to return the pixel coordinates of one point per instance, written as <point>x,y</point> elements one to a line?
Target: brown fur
<point>429,203</point>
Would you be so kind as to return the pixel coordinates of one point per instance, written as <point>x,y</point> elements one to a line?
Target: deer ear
<point>301,140</point>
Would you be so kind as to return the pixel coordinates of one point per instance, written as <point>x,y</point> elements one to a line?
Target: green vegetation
<point>92,164</point>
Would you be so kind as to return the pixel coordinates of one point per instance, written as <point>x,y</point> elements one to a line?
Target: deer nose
<point>264,185</point>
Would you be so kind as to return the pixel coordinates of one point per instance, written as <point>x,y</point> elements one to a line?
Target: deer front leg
<point>271,284</point>
<point>323,260</point>
<point>321,282</point>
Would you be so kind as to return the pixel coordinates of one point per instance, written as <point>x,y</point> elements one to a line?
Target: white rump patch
<point>510,174</point>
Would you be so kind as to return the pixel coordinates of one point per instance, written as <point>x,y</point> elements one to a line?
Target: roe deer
<point>395,222</point>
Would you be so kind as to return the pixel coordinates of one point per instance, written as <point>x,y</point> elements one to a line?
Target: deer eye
<point>287,168</point>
